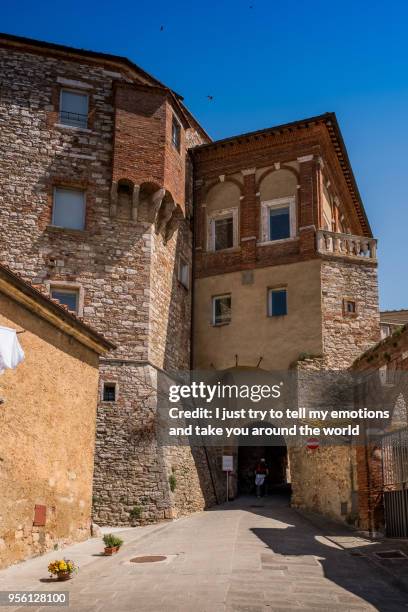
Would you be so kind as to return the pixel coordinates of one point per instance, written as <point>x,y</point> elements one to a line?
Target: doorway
<point>276,458</point>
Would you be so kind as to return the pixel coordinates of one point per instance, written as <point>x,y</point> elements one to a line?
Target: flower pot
<point>111,550</point>
<point>63,576</point>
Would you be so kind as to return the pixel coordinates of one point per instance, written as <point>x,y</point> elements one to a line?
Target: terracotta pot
<point>63,576</point>
<point>111,550</point>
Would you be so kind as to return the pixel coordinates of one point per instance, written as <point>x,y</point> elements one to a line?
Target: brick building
<point>382,460</point>
<point>391,320</point>
<point>102,168</point>
<point>285,277</point>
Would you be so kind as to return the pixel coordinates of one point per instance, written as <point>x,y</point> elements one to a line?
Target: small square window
<point>221,310</point>
<point>74,108</point>
<point>176,134</point>
<point>109,392</point>
<point>277,302</point>
<point>349,308</point>
<point>67,297</point>
<point>184,273</point>
<point>69,208</point>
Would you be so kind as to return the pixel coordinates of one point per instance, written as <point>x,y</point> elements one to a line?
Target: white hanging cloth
<point>11,353</point>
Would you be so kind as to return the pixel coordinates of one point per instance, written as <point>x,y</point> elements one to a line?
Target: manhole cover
<point>148,559</point>
<point>391,554</point>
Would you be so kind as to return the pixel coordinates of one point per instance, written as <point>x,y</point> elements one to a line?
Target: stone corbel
<point>171,226</point>
<point>165,216</point>
<point>155,203</point>
<point>135,202</point>
<point>113,210</point>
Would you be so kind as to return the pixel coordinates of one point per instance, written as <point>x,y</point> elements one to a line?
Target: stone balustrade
<point>346,245</point>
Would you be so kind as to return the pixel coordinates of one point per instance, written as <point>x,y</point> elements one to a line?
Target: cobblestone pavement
<point>254,555</point>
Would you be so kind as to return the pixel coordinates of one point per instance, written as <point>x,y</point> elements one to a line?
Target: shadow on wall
<point>190,465</point>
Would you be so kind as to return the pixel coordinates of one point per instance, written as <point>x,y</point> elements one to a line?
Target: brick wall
<point>391,355</point>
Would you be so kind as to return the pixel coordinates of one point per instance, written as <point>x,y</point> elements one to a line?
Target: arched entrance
<point>276,458</point>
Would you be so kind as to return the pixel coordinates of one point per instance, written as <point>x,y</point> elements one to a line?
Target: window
<point>69,208</point>
<point>277,302</point>
<point>74,108</point>
<point>68,297</point>
<point>109,392</point>
<point>222,310</point>
<point>184,273</point>
<point>223,230</point>
<point>176,133</point>
<point>278,219</point>
<point>349,308</point>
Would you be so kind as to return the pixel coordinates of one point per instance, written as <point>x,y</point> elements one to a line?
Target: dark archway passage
<point>276,458</point>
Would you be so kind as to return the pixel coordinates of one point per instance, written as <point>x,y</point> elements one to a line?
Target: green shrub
<point>136,512</point>
<point>172,482</point>
<point>111,541</point>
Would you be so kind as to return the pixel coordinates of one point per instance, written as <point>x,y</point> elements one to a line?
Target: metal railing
<point>395,478</point>
<point>74,119</point>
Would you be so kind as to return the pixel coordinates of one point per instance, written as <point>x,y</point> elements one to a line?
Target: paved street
<point>250,555</point>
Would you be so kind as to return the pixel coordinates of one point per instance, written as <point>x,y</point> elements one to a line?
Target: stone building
<point>391,320</point>
<point>95,208</point>
<point>102,169</point>
<point>47,421</point>
<point>285,276</point>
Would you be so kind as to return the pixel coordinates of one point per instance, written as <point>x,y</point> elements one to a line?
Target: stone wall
<point>346,336</point>
<point>127,268</point>
<point>47,422</point>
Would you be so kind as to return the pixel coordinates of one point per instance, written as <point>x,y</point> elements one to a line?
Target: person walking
<point>261,475</point>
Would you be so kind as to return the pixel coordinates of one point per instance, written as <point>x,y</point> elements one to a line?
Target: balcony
<point>346,245</point>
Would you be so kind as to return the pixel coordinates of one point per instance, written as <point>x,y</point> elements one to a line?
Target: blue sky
<point>267,62</point>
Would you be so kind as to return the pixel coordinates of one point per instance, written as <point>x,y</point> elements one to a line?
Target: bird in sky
<point>161,28</point>
<point>210,97</point>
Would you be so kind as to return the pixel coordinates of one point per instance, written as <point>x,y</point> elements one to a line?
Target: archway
<point>277,463</point>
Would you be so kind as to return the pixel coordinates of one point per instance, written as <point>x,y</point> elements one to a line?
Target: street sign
<point>227,466</point>
<point>227,463</point>
<point>312,443</point>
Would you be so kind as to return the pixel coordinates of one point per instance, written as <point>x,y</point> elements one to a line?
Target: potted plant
<point>112,543</point>
<point>136,515</point>
<point>62,569</point>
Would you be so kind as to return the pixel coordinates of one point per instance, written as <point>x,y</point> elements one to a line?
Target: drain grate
<point>391,554</point>
<point>148,559</point>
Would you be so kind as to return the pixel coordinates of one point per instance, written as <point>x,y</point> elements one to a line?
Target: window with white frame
<point>278,219</point>
<point>223,230</point>
<point>184,273</point>
<point>277,302</point>
<point>69,208</point>
<point>67,297</point>
<point>221,309</point>
<point>74,108</point>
